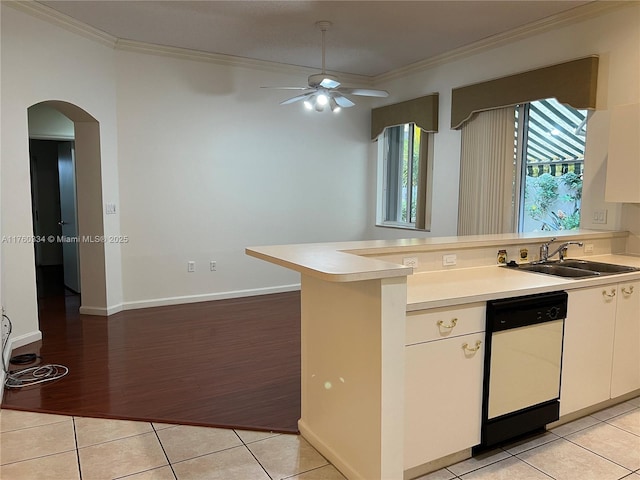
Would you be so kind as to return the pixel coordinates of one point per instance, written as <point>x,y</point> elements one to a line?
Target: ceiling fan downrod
<point>323,25</point>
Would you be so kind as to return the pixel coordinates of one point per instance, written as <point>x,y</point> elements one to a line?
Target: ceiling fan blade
<point>343,102</point>
<point>329,83</point>
<point>324,80</point>
<point>296,98</point>
<point>365,92</point>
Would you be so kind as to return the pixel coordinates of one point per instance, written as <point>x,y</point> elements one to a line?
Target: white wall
<point>614,36</point>
<point>210,164</point>
<point>40,62</point>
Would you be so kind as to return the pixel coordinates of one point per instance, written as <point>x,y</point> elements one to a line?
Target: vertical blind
<point>486,173</point>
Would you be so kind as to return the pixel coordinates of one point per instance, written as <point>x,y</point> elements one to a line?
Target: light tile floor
<point>34,446</point>
<point>601,446</point>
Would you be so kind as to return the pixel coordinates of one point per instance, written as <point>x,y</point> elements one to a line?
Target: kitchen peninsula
<point>365,405</point>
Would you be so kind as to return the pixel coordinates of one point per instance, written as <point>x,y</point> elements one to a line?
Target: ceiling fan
<point>324,89</point>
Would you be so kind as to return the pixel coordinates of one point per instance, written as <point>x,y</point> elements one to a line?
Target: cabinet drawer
<point>439,323</point>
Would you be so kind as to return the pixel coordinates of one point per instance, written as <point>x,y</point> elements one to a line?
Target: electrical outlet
<point>212,265</point>
<point>191,266</point>
<point>410,262</point>
<point>449,260</point>
<point>588,248</point>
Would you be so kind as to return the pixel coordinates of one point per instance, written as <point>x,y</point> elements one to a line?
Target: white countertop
<point>349,262</point>
<point>329,262</point>
<point>467,285</point>
<point>346,261</point>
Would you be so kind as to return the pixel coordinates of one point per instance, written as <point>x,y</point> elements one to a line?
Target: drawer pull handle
<point>467,348</point>
<point>629,291</point>
<point>609,295</point>
<point>451,325</point>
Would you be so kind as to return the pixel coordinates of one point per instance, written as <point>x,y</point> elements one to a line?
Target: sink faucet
<point>544,249</point>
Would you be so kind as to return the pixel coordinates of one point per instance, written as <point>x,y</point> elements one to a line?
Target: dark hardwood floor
<point>228,363</point>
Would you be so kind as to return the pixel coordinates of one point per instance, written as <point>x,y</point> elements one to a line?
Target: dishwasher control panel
<point>526,310</point>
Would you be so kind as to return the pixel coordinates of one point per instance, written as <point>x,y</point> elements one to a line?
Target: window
<point>402,177</point>
<point>481,202</point>
<point>550,144</point>
<point>521,169</point>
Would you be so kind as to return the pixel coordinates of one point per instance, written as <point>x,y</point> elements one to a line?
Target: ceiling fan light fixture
<point>322,99</point>
<point>335,108</point>
<point>310,102</point>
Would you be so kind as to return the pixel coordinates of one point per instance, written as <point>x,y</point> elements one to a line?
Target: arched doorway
<point>87,238</point>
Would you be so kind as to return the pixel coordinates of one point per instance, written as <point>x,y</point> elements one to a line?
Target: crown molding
<point>68,23</point>
<point>54,17</point>
<point>576,15</point>
<point>230,60</point>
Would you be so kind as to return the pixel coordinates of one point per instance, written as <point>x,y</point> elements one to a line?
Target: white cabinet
<point>588,348</point>
<point>443,382</point>
<point>625,374</point>
<point>601,355</point>
<point>623,163</point>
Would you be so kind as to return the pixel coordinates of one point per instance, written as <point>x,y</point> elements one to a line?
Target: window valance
<point>573,83</point>
<point>422,111</point>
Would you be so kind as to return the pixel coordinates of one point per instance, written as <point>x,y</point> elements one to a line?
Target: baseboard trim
<point>329,453</point>
<point>207,297</point>
<point>25,339</point>
<point>12,344</point>
<point>163,302</point>
<point>100,311</point>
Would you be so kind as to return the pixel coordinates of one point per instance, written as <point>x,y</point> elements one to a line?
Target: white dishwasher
<point>522,367</point>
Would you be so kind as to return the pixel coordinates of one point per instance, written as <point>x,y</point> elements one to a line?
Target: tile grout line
<point>75,438</point>
<point>515,455</point>
<point>153,427</point>
<point>201,454</point>
<point>312,470</point>
<point>251,453</point>
<point>600,455</point>
<point>607,421</point>
<point>599,422</point>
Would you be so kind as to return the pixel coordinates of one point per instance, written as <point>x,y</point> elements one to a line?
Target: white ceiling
<point>367,37</point>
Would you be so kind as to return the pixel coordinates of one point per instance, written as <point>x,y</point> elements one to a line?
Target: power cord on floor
<point>28,376</point>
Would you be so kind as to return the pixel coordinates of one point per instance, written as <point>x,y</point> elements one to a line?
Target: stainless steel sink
<point>597,266</point>
<point>574,268</point>
<point>558,270</point>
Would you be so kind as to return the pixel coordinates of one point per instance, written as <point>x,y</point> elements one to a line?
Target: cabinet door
<point>623,163</point>
<point>443,397</point>
<point>587,355</point>
<point>625,375</point>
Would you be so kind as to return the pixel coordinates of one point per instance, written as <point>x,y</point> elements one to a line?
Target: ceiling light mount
<point>324,25</point>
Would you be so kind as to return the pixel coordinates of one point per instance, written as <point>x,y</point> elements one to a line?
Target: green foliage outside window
<point>545,201</point>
